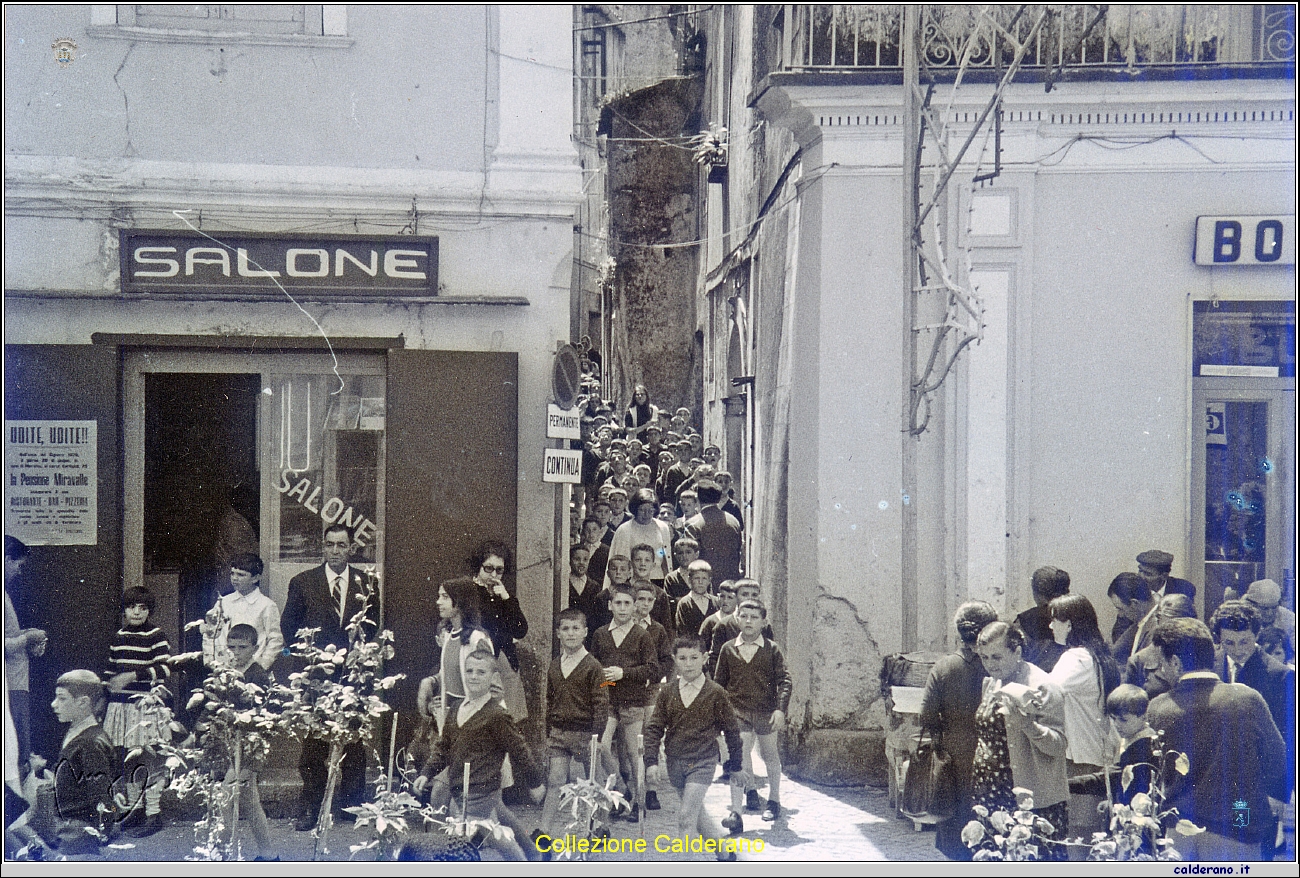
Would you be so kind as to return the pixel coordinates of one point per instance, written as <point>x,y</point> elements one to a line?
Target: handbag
<point>929,785</point>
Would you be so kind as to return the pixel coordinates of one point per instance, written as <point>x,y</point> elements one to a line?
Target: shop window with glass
<point>229,453</point>
<point>1244,467</point>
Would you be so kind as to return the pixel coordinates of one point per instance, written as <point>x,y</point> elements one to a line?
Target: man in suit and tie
<point>327,597</point>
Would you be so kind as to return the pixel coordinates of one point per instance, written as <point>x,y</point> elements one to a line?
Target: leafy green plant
<point>339,695</point>
<point>589,806</point>
<point>1011,836</point>
<point>1140,830</point>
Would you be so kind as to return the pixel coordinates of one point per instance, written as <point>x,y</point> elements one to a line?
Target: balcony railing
<point>820,37</point>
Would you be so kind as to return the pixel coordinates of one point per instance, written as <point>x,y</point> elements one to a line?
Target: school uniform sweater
<point>691,733</point>
<point>717,630</point>
<point>484,741</point>
<point>663,641</point>
<point>1139,755</point>
<point>689,616</point>
<point>577,703</point>
<point>761,684</point>
<point>636,656</point>
<point>142,650</point>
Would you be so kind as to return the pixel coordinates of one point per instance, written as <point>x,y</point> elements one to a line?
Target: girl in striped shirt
<point>138,662</point>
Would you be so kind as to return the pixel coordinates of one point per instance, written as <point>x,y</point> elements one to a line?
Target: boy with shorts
<point>688,715</point>
<point>627,654</point>
<point>646,596</point>
<point>577,707</point>
<point>480,732</point>
<point>752,670</point>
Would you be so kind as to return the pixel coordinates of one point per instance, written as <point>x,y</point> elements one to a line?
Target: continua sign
<point>257,266</point>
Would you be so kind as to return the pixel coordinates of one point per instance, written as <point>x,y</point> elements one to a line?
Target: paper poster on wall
<point>52,486</point>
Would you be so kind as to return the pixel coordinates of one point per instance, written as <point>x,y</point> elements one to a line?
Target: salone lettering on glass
<point>332,511</point>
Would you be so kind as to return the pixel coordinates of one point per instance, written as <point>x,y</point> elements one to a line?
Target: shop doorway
<point>1243,457</point>
<point>229,452</point>
<point>201,500</point>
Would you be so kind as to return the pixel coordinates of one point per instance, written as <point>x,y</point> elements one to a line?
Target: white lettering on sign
<point>332,511</point>
<point>1245,240</point>
<point>298,262</point>
<point>562,423</point>
<point>562,465</point>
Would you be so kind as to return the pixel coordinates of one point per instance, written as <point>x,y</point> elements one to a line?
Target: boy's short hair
<point>752,604</point>
<point>686,543</point>
<point>624,558</point>
<point>1235,616</point>
<point>248,562</point>
<point>690,641</point>
<point>571,614</point>
<point>482,652</point>
<point>645,585</point>
<point>82,684</point>
<point>138,594</point>
<point>700,565</point>
<point>618,588</point>
<point>618,492</point>
<point>15,549</point>
<point>599,503</point>
<point>748,583</point>
<point>689,492</point>
<point>642,547</point>
<point>578,548</point>
<point>242,631</point>
<point>708,492</point>
<point>1127,699</point>
<point>728,586</point>
<point>590,518</point>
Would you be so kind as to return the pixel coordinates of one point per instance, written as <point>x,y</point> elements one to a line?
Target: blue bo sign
<point>1245,240</point>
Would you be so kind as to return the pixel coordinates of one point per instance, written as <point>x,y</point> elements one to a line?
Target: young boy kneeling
<point>688,715</point>
<point>480,732</point>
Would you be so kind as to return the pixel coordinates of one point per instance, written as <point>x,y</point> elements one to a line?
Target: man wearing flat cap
<point>1266,596</point>
<point>1154,567</point>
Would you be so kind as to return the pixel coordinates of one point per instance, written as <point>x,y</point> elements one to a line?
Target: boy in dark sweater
<point>698,605</point>
<point>628,655</point>
<point>577,707</point>
<point>646,595</point>
<point>1126,706</point>
<point>242,643</point>
<point>727,623</point>
<point>87,766</point>
<point>688,715</point>
<point>678,583</point>
<point>480,733</point>
<point>752,670</point>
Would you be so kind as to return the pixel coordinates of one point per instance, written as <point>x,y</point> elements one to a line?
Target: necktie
<point>340,592</point>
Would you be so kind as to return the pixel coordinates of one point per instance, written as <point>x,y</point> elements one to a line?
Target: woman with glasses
<point>502,618</point>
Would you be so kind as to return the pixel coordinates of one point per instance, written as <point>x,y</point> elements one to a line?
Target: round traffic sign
<point>566,378</point>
